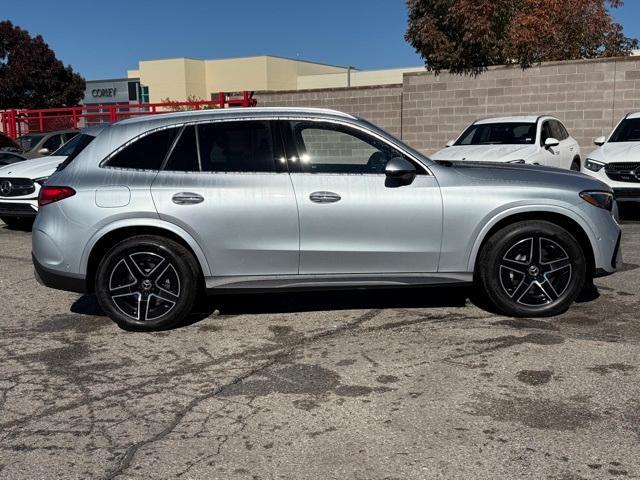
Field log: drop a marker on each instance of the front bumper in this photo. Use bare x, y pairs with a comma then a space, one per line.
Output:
18, 209
57, 280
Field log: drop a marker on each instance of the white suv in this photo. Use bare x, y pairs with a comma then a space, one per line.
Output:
617, 161
540, 140
20, 182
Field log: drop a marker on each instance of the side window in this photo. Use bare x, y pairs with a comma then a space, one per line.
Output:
546, 133
184, 156
329, 148
242, 146
69, 135
53, 143
562, 131
146, 152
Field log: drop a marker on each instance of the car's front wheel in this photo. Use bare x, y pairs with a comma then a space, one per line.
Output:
147, 283
531, 269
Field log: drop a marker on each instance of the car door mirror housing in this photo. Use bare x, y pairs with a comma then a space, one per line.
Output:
600, 141
551, 142
400, 169
44, 151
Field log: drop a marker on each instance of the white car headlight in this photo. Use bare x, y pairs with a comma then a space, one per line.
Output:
593, 165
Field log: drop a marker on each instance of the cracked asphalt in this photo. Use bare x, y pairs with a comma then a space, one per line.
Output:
385, 384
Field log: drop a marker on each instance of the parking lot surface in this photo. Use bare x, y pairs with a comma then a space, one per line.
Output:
387, 384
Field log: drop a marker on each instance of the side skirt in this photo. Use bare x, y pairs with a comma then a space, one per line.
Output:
242, 284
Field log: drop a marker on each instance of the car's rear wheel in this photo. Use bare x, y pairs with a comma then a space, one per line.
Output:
531, 269
147, 283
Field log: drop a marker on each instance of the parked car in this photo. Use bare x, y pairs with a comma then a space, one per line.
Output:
20, 182
539, 140
35, 145
617, 160
155, 210
7, 157
6, 143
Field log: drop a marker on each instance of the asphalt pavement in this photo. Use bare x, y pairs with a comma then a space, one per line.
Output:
381, 384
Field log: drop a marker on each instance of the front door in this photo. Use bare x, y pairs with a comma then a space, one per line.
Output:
222, 184
353, 220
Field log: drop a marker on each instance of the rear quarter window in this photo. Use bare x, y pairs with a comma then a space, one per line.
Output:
146, 152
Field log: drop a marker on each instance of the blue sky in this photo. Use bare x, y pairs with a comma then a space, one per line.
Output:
102, 39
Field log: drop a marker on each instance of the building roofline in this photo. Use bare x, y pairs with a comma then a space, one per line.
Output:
121, 79
245, 57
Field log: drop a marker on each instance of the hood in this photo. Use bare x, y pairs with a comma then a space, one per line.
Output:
531, 175
617, 152
486, 153
36, 168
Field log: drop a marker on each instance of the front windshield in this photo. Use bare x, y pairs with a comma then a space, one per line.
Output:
499, 134
28, 142
627, 131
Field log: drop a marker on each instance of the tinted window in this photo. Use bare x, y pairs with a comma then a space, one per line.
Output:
53, 143
499, 134
627, 131
69, 135
184, 157
328, 148
147, 152
545, 133
236, 147
557, 130
27, 142
72, 149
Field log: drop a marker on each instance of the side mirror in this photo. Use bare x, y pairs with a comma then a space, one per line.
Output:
551, 142
400, 169
44, 151
451, 143
600, 141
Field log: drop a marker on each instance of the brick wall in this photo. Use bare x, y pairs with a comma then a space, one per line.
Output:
381, 105
589, 96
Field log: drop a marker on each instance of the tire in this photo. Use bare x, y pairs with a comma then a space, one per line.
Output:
575, 166
18, 222
517, 284
147, 283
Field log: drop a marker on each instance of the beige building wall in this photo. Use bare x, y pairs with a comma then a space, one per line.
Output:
180, 78
359, 78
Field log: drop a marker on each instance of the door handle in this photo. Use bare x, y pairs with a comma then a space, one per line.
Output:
324, 197
187, 198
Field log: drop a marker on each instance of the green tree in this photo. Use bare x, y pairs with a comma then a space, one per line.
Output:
467, 36
30, 74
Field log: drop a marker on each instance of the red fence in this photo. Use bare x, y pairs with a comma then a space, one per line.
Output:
19, 122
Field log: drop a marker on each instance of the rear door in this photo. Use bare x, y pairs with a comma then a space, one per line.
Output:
222, 184
353, 220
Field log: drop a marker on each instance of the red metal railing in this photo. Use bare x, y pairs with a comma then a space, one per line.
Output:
21, 121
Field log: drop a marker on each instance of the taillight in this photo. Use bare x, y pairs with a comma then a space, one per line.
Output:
54, 194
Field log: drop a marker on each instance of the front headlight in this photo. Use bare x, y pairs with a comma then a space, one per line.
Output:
520, 160
599, 199
593, 165
40, 181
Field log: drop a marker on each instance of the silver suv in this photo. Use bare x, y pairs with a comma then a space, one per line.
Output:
156, 211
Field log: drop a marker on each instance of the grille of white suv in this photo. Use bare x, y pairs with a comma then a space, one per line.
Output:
16, 187
624, 172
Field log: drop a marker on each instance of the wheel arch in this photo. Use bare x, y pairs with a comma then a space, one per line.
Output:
576, 226
106, 238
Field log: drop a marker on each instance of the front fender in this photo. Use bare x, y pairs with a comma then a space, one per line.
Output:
493, 218
148, 222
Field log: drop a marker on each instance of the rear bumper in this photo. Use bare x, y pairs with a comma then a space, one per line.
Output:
57, 280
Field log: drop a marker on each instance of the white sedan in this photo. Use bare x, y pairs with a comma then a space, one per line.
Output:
540, 140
